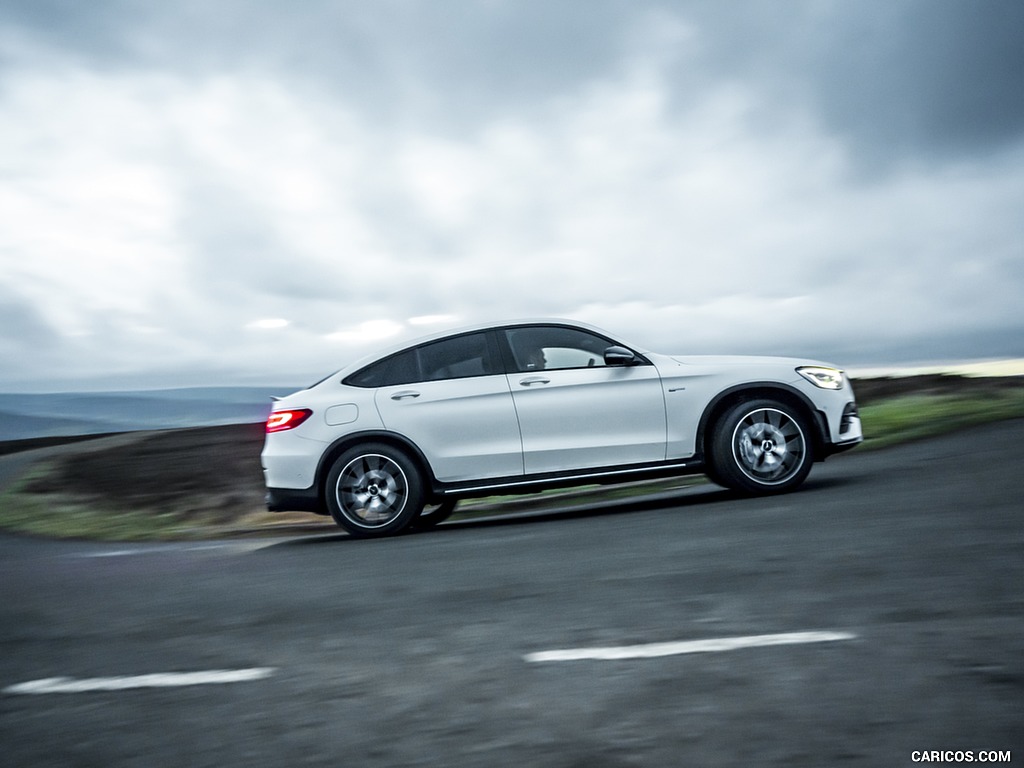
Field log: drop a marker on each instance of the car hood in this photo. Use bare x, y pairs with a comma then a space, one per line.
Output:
715, 361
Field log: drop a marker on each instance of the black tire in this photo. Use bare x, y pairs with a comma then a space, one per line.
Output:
374, 490
434, 514
711, 470
761, 447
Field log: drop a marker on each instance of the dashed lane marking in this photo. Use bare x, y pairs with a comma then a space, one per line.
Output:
241, 547
717, 645
157, 680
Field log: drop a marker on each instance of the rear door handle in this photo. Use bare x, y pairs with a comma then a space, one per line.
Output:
531, 380
405, 394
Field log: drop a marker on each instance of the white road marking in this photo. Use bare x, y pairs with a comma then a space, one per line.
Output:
158, 680
111, 553
654, 650
173, 548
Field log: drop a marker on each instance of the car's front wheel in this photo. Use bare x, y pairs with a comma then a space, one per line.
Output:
374, 490
761, 446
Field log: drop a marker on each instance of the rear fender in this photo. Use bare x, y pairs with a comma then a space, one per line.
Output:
400, 442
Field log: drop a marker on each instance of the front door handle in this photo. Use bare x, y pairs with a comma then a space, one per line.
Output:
531, 380
404, 395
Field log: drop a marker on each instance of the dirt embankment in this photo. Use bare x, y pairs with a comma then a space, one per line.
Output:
211, 473
871, 391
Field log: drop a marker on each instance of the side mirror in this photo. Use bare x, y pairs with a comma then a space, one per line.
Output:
618, 356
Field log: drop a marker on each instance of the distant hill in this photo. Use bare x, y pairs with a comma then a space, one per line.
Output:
19, 426
24, 416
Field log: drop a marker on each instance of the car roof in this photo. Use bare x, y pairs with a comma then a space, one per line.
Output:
380, 354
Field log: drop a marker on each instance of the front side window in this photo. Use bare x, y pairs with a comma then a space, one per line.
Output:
552, 347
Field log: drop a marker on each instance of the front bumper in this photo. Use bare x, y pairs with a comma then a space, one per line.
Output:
850, 433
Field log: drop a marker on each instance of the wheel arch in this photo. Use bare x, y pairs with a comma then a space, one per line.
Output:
770, 390
399, 442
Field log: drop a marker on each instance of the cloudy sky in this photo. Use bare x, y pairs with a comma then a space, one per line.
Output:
259, 192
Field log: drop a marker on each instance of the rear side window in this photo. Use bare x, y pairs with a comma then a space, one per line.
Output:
455, 358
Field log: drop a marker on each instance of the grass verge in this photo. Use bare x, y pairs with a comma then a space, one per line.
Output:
61, 515
912, 417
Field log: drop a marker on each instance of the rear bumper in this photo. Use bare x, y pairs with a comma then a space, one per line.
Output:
294, 500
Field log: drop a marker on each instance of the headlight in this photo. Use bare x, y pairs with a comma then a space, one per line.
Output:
826, 378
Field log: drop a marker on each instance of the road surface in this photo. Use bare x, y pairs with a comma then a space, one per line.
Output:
876, 614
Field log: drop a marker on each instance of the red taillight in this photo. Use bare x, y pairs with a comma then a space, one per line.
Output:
280, 421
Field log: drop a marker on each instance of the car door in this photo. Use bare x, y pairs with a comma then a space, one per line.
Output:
452, 399
575, 411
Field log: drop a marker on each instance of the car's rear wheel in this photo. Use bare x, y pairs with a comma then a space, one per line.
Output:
433, 514
374, 490
761, 447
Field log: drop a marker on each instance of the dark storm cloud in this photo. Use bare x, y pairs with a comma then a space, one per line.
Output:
394, 58
949, 346
95, 31
917, 78
927, 78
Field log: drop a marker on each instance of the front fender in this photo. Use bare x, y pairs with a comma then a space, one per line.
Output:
774, 390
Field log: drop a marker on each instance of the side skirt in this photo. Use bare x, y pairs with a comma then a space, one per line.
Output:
595, 476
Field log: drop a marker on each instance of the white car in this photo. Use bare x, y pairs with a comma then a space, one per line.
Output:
396, 439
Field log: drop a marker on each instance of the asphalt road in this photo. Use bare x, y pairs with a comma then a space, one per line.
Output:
416, 651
